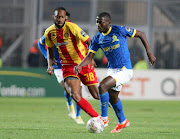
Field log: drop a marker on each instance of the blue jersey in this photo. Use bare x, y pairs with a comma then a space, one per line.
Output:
41, 45
114, 45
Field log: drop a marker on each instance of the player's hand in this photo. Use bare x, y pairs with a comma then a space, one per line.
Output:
152, 58
50, 70
77, 69
92, 64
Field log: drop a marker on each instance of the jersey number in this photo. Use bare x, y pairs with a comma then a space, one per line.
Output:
89, 77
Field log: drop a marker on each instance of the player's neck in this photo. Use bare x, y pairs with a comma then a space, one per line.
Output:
106, 31
59, 27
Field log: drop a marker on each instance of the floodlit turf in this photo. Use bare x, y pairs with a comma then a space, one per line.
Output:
46, 118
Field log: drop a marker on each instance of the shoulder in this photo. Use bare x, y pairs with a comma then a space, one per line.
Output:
52, 27
42, 40
115, 27
71, 25
96, 37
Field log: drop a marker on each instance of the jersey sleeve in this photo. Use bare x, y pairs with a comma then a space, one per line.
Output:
78, 32
94, 45
47, 36
126, 31
41, 45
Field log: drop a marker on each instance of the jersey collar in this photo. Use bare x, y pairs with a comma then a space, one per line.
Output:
107, 32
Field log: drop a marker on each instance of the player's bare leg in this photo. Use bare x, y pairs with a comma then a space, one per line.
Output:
74, 85
94, 91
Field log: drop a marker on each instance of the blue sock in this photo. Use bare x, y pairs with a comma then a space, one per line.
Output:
68, 98
119, 111
104, 98
78, 110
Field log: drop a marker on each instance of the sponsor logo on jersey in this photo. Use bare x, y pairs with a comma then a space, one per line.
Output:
109, 49
83, 33
66, 35
60, 44
114, 38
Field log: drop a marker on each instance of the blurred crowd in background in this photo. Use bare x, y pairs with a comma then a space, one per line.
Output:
163, 31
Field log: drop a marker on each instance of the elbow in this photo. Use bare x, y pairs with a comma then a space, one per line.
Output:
140, 35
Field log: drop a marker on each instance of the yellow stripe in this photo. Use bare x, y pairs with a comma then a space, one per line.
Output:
22, 73
107, 32
92, 51
72, 76
41, 41
134, 33
91, 84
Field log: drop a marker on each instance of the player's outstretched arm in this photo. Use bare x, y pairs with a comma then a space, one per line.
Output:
50, 58
143, 38
42, 48
85, 61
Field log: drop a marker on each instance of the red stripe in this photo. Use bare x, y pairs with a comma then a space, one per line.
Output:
75, 45
85, 45
63, 48
49, 35
87, 40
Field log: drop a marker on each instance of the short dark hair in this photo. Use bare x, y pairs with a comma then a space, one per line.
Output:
59, 8
105, 15
68, 14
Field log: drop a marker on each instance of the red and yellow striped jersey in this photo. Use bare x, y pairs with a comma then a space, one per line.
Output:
69, 42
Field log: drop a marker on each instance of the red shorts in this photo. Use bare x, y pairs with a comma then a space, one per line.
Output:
87, 75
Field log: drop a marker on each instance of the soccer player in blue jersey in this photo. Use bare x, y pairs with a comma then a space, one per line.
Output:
112, 40
58, 74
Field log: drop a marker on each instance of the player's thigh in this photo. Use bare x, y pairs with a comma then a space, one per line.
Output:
121, 76
93, 89
73, 84
106, 84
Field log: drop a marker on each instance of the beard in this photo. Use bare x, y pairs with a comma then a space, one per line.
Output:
57, 25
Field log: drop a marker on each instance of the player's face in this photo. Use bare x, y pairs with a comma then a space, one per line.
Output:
102, 24
59, 18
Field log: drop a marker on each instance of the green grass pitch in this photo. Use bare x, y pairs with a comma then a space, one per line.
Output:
46, 118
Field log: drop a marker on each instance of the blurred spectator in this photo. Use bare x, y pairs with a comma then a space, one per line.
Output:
1, 44
34, 55
168, 52
165, 53
160, 61
136, 52
141, 65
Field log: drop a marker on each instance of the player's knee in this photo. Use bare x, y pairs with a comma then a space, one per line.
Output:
102, 88
96, 96
76, 97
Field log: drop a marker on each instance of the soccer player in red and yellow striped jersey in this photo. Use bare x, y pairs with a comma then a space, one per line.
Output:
68, 38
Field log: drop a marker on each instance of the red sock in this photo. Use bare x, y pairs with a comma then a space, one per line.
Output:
84, 104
